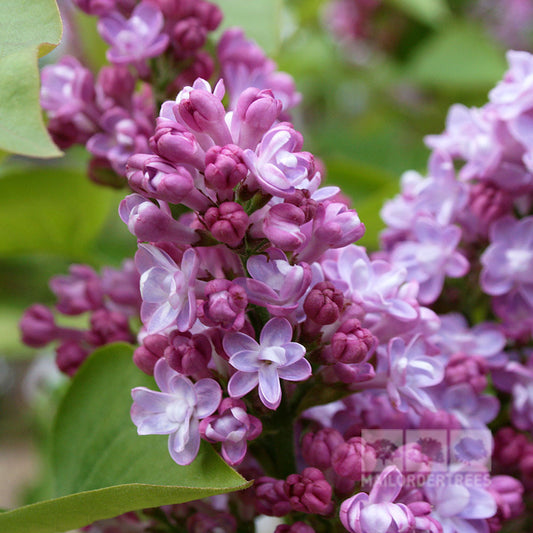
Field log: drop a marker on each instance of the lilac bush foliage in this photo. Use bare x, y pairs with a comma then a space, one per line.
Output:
270, 334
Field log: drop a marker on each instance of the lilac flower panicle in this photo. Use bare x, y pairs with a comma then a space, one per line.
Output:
175, 410
263, 364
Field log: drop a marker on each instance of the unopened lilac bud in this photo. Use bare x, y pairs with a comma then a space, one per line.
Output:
318, 447
410, 458
270, 497
228, 223
69, 357
225, 305
509, 446
472, 369
187, 35
281, 226
189, 354
351, 343
176, 144
210, 14
202, 66
508, 494
488, 203
108, 327
203, 112
224, 169
151, 350
297, 527
221, 522
78, 292
38, 326
256, 111
149, 223
309, 492
324, 303
353, 458
301, 198
115, 82
439, 420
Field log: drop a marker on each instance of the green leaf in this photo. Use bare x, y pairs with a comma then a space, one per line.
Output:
429, 12
30, 29
54, 210
102, 467
461, 57
261, 21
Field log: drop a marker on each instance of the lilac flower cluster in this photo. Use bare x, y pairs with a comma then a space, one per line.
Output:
274, 337
110, 301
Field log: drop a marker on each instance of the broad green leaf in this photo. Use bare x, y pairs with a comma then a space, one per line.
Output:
461, 57
53, 210
261, 21
102, 467
29, 29
429, 12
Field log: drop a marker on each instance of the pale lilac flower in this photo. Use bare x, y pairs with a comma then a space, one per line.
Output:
430, 256
376, 512
377, 286
508, 261
175, 411
277, 165
167, 290
135, 39
274, 282
410, 370
264, 363
233, 427
460, 507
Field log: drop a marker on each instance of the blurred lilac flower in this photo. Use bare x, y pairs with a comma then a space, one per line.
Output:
135, 39
430, 257
264, 363
166, 289
175, 411
411, 369
508, 261
377, 512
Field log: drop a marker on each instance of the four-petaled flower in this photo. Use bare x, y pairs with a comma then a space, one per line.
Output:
264, 363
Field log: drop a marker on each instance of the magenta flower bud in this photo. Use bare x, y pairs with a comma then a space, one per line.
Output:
309, 492
203, 112
509, 446
78, 292
224, 169
270, 497
187, 35
38, 326
151, 350
96, 7
472, 369
225, 305
281, 226
189, 354
221, 522
324, 303
233, 427
173, 142
353, 458
117, 83
210, 14
301, 198
439, 420
149, 223
255, 113
228, 223
488, 203
318, 447
108, 327
351, 343
508, 494
121, 286
202, 66
410, 458
69, 357
297, 527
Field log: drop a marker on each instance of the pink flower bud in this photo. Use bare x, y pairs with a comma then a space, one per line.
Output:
116, 83
309, 492
281, 226
324, 303
108, 327
189, 354
351, 343
472, 369
151, 350
187, 35
38, 326
353, 458
509, 446
318, 448
224, 169
69, 357
270, 497
225, 305
297, 527
228, 223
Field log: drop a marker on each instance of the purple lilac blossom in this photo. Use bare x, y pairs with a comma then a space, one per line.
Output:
263, 364
167, 290
175, 411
